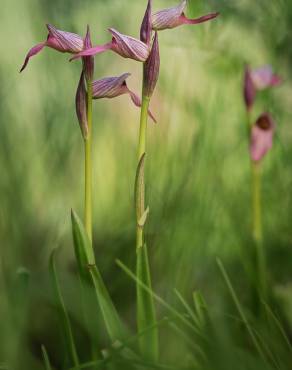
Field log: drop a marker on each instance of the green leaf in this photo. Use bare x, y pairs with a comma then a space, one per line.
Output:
64, 317
46, 358
146, 316
86, 262
240, 310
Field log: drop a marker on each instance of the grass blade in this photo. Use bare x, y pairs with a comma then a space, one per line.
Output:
145, 308
46, 358
240, 310
64, 317
88, 268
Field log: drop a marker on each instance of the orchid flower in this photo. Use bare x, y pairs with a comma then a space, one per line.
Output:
262, 134
126, 46
256, 80
111, 87
175, 16
65, 42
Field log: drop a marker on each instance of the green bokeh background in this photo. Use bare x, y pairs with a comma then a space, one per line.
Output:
198, 178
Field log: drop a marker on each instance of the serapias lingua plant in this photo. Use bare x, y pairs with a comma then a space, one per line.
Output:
260, 136
168, 18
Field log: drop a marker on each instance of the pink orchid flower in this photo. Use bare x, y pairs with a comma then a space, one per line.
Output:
262, 134
256, 80
175, 16
65, 42
125, 46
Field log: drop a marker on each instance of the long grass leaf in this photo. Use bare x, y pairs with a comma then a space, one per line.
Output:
87, 266
46, 358
146, 316
64, 317
240, 310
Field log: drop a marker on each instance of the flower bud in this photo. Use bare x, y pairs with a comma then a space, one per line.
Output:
88, 62
146, 27
151, 68
81, 106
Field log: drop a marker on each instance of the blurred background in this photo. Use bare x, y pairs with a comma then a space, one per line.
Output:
198, 175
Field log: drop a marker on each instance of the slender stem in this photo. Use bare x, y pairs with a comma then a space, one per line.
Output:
257, 228
141, 151
88, 166
257, 234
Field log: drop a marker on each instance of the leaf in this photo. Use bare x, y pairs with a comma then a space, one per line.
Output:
64, 317
140, 191
46, 358
145, 308
86, 262
240, 310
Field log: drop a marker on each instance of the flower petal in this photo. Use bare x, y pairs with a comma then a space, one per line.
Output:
81, 106
264, 77
151, 68
184, 20
33, 51
92, 51
110, 87
168, 18
64, 41
137, 101
129, 47
262, 134
146, 26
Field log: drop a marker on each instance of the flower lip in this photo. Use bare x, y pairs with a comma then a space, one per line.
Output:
174, 17
262, 134
110, 87
265, 122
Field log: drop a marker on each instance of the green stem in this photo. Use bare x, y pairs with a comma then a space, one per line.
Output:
257, 228
88, 166
141, 151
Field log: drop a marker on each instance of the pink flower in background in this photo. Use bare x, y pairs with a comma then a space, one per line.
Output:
256, 80
111, 87
65, 42
262, 134
126, 46
174, 17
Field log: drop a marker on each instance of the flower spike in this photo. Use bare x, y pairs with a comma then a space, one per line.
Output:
262, 134
174, 17
146, 26
81, 106
151, 68
126, 46
111, 87
65, 42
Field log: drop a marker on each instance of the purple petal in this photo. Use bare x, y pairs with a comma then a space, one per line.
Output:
64, 41
33, 51
81, 106
204, 18
264, 77
110, 87
249, 91
137, 101
93, 51
151, 68
146, 27
88, 62
262, 134
129, 47
168, 18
